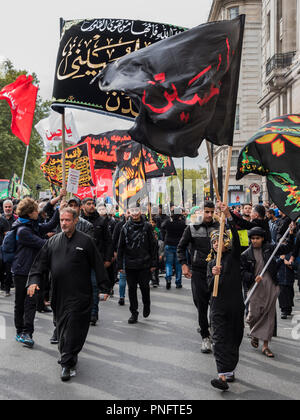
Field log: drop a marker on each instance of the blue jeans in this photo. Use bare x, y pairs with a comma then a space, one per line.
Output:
122, 285
171, 260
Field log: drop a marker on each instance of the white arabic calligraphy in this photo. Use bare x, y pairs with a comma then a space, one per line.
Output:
152, 30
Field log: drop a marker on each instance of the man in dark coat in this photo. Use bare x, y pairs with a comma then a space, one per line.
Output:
70, 257
172, 230
227, 309
103, 242
137, 253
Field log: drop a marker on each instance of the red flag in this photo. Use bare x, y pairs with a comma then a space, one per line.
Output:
103, 178
21, 97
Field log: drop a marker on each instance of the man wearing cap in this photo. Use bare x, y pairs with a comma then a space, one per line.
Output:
103, 241
262, 308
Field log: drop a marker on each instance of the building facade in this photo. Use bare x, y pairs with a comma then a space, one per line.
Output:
248, 114
269, 80
280, 59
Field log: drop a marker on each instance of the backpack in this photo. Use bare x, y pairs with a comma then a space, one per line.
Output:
9, 246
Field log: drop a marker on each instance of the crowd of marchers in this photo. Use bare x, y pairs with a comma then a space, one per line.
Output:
62, 256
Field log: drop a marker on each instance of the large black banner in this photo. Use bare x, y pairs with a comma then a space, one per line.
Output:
104, 147
185, 87
86, 47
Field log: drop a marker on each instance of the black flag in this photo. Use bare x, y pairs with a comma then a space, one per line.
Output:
274, 152
185, 87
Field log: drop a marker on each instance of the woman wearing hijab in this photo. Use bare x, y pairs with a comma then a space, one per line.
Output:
227, 309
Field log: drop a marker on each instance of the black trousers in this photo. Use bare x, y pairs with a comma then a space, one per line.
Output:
201, 297
25, 307
227, 335
286, 299
72, 331
141, 278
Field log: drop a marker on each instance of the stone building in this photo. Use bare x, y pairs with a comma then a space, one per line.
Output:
248, 113
269, 80
280, 59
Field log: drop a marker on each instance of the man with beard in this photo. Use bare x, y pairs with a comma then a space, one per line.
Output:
70, 257
196, 238
104, 245
137, 253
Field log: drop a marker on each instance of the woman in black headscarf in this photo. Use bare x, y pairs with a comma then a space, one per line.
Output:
227, 309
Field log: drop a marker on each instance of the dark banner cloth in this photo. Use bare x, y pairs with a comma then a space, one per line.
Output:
86, 47
77, 157
104, 146
129, 178
185, 87
274, 152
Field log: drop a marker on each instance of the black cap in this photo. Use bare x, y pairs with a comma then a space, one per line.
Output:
76, 199
257, 231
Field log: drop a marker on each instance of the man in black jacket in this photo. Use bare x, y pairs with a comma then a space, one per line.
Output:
136, 250
103, 241
29, 234
172, 230
115, 240
197, 238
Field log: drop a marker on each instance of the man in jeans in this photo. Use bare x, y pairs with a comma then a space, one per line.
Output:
196, 238
172, 231
136, 251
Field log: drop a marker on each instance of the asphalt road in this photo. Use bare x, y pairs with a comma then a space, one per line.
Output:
157, 359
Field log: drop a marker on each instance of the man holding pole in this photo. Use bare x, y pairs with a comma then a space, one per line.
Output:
262, 309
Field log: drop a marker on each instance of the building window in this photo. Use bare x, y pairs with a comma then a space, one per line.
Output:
235, 158
279, 9
237, 118
268, 113
268, 26
233, 12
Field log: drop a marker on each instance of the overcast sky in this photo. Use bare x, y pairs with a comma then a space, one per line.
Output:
29, 37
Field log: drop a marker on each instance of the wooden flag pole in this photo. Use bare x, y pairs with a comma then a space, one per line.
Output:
63, 150
213, 172
222, 222
23, 172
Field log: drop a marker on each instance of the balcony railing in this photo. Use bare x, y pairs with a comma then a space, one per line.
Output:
279, 61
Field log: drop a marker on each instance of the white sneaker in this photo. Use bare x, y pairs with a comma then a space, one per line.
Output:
206, 346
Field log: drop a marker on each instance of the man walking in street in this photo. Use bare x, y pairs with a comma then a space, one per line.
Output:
70, 257
136, 251
196, 237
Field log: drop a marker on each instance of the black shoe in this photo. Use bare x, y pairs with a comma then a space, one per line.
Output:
133, 319
178, 286
219, 384
54, 339
168, 285
122, 301
93, 321
65, 374
283, 316
230, 379
155, 285
146, 311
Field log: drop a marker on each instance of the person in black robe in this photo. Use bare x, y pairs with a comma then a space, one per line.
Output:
70, 256
227, 309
